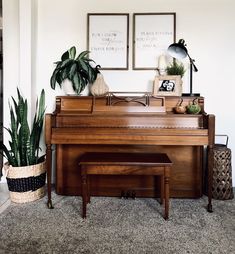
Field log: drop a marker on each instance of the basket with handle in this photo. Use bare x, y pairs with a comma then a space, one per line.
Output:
222, 171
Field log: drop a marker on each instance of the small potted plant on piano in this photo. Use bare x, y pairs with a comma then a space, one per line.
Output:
25, 169
176, 68
73, 73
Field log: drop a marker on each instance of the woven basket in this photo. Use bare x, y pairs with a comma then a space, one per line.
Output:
222, 173
26, 183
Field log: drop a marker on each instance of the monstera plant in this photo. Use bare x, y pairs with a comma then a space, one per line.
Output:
76, 69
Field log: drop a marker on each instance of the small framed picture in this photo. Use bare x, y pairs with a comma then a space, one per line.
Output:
170, 85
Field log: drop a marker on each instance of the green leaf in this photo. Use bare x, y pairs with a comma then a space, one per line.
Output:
72, 52
66, 63
82, 55
72, 71
53, 78
76, 80
65, 56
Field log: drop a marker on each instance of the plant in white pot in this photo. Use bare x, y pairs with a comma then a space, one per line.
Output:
25, 169
73, 73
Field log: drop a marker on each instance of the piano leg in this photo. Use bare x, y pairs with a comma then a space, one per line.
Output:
210, 176
84, 194
48, 167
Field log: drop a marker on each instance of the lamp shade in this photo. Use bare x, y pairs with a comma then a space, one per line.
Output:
178, 50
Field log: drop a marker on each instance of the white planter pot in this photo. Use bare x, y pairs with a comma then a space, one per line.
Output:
67, 87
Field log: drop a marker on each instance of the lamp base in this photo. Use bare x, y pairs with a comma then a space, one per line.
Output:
191, 94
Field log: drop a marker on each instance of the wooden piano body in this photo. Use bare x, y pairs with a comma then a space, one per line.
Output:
140, 123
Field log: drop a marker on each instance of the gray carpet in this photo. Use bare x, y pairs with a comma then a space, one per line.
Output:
118, 226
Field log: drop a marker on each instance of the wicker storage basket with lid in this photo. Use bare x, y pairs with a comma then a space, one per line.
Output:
222, 172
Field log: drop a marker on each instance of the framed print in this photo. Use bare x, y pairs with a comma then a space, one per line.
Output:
152, 35
169, 85
107, 39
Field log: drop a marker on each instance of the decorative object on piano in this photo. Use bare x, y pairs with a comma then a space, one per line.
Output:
194, 107
179, 108
99, 87
67, 87
162, 65
132, 102
179, 51
167, 85
25, 169
76, 69
175, 68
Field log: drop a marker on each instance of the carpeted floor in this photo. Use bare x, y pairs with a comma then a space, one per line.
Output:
118, 226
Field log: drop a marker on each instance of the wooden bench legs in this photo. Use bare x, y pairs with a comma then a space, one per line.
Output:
166, 195
164, 198
114, 164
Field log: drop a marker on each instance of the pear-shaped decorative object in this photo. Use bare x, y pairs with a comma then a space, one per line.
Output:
179, 108
99, 87
194, 107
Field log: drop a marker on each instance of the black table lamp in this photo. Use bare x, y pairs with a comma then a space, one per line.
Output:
179, 51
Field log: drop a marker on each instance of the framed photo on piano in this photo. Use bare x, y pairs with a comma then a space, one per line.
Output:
169, 85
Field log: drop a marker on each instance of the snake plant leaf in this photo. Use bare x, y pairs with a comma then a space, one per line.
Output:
8, 155
36, 129
40, 109
14, 137
24, 137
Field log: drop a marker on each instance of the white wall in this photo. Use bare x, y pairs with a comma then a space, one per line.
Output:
207, 27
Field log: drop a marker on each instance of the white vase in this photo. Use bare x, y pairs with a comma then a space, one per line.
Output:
67, 87
99, 87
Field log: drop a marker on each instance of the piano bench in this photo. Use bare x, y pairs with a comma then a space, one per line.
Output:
102, 163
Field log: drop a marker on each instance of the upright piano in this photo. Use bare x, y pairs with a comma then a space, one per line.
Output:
123, 122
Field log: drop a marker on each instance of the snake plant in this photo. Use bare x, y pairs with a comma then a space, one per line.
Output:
24, 142
77, 69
